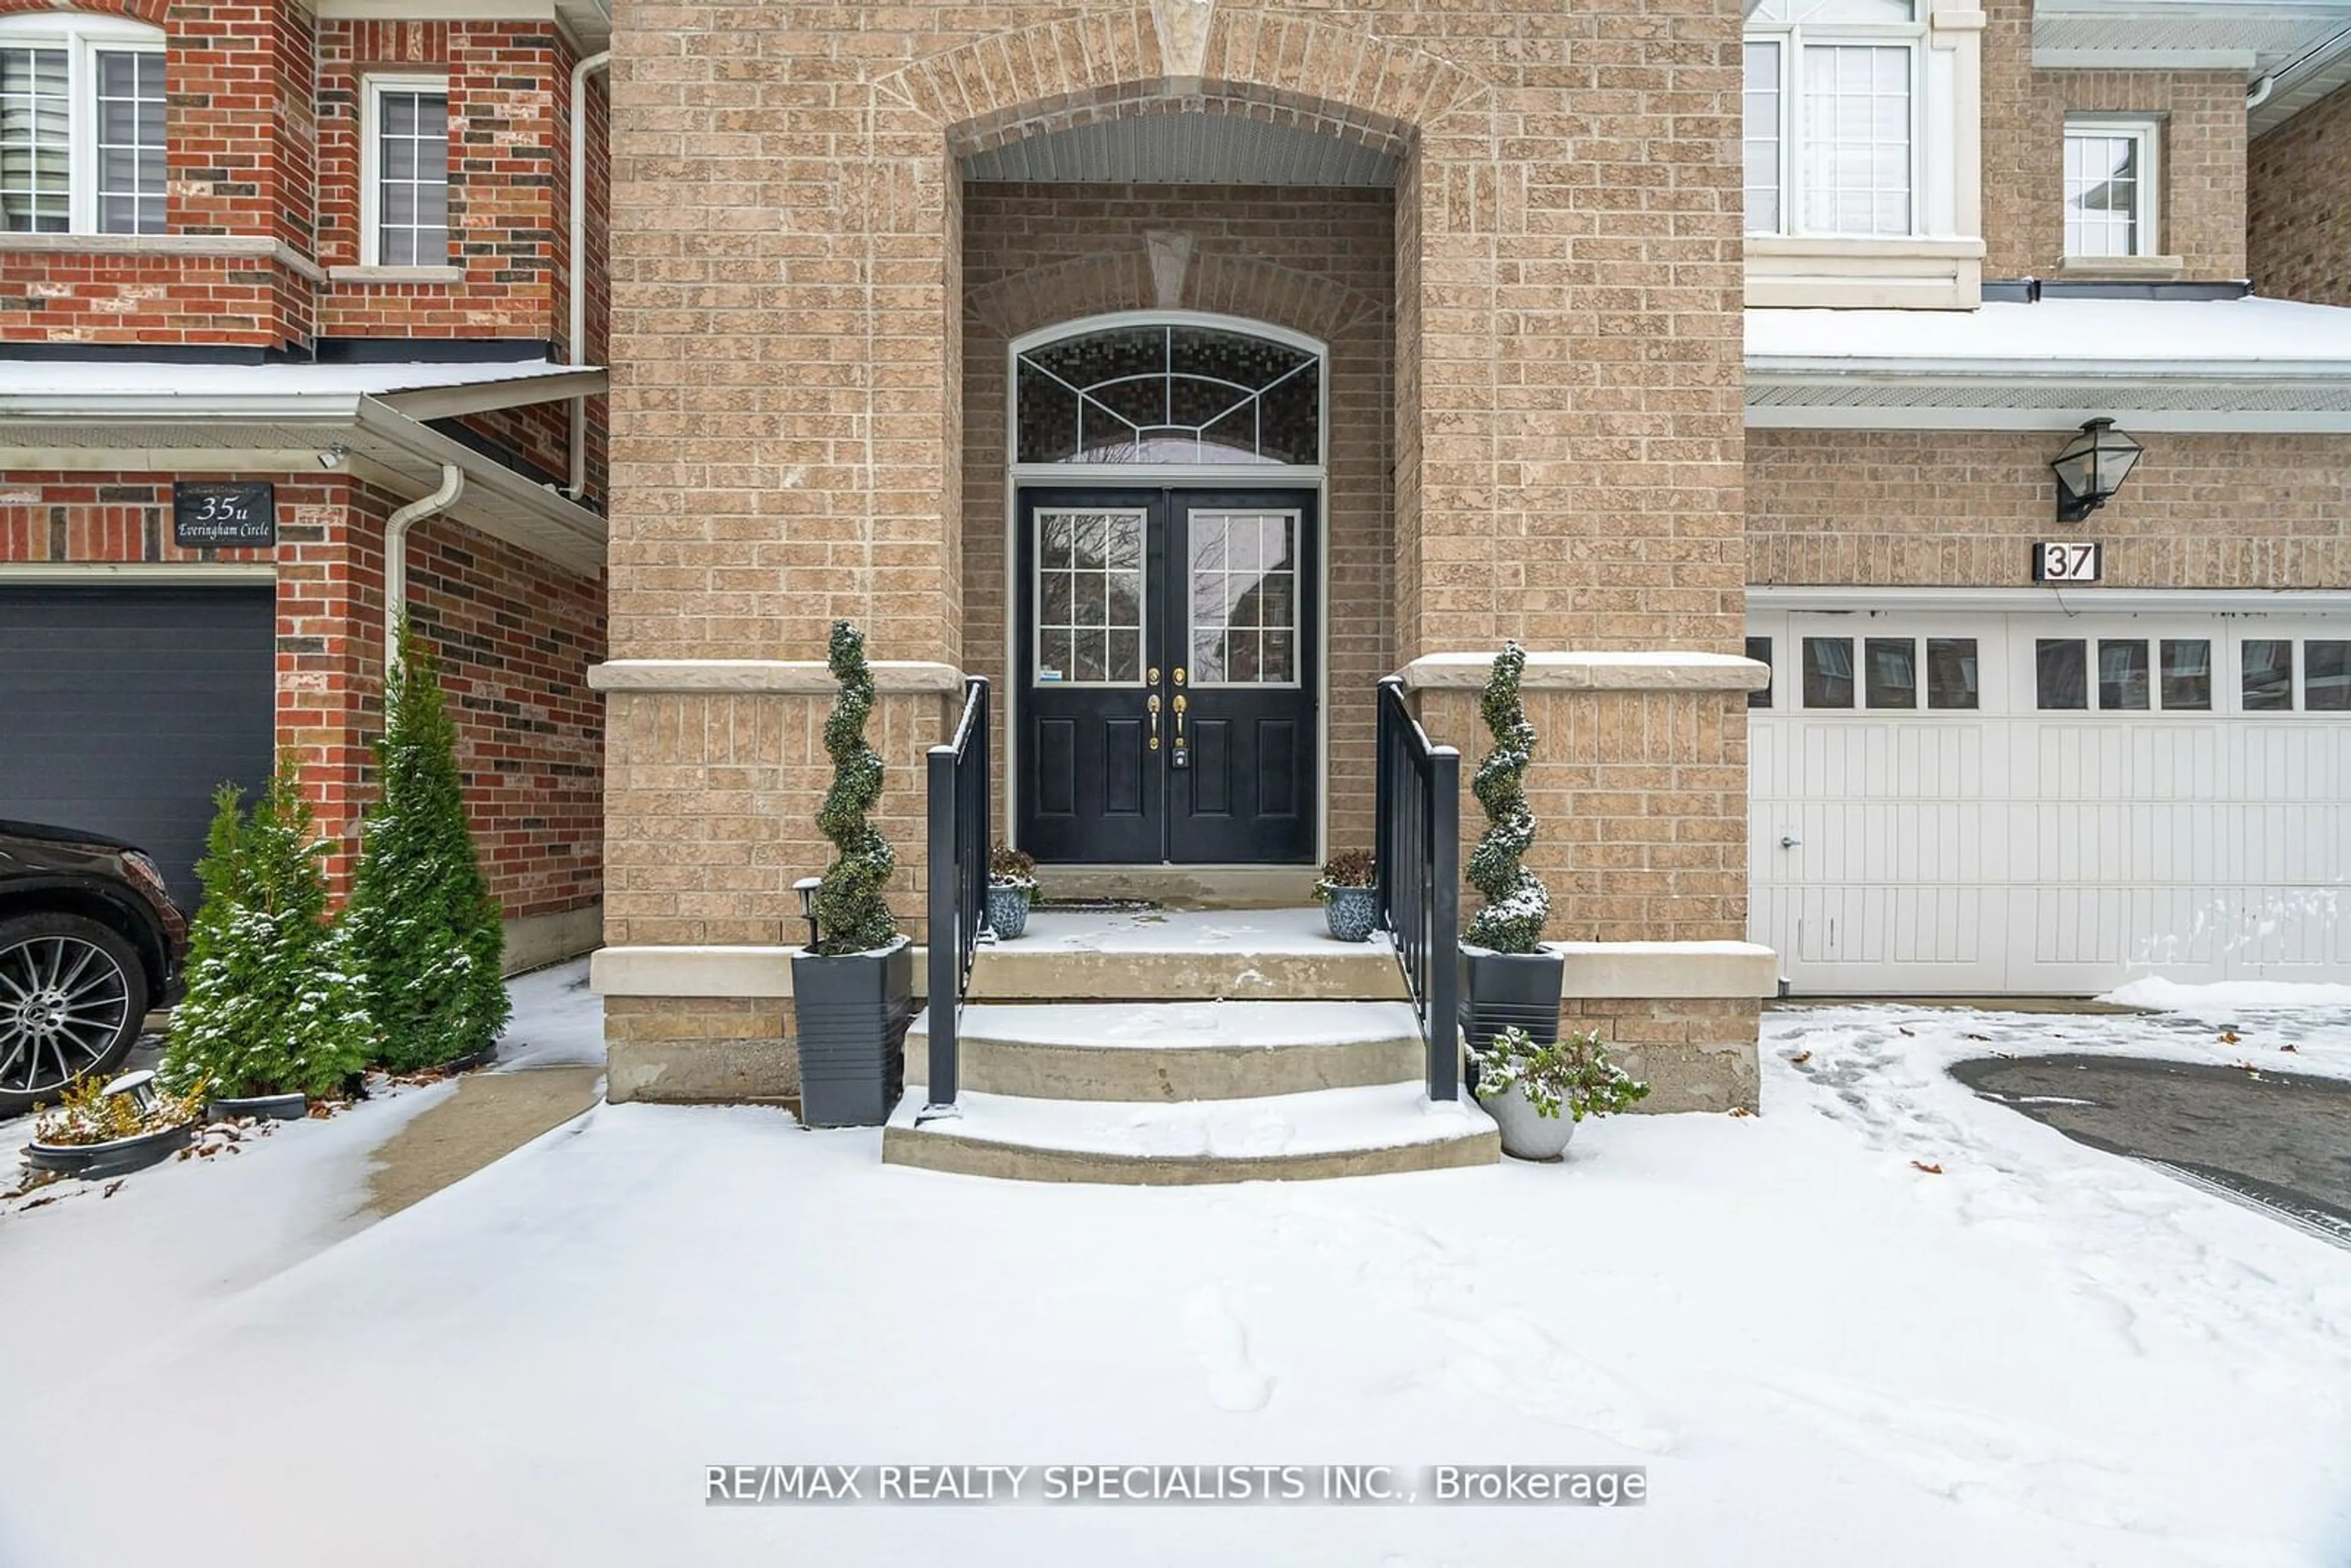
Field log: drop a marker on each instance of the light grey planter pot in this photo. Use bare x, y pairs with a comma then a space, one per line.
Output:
1528, 1134
1351, 912
1007, 911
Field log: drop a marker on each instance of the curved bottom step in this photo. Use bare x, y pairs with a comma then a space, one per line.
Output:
1327, 1133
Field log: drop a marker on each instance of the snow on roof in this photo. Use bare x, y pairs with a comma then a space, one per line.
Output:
140, 378
2191, 336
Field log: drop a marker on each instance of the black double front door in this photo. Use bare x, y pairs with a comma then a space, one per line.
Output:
1166, 663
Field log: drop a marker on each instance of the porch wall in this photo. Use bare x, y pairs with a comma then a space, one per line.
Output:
1315, 260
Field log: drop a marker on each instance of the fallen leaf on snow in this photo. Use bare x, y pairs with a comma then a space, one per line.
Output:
1985, 1038
1923, 1166
1906, 1034
2292, 1048
1802, 1057
2246, 1067
1740, 1111
2229, 1037
113, 1187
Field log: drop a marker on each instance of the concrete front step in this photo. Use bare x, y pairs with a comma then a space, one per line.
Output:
1273, 955
1167, 1051
1373, 1130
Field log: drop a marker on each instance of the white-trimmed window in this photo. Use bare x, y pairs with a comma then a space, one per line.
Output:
2110, 186
81, 125
1831, 107
404, 172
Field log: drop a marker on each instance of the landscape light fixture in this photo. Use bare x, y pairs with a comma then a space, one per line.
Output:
806, 887
2091, 469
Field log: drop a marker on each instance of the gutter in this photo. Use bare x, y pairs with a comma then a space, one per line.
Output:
395, 556
578, 445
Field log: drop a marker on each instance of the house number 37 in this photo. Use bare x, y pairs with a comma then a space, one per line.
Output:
2065, 563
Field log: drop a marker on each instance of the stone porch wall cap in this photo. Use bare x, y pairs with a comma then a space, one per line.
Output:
793, 676
1670, 669
1668, 969
744, 973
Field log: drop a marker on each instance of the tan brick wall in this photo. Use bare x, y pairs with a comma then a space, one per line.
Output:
2298, 205
1962, 507
699, 1049
1315, 261
788, 439
1640, 804
710, 803
1695, 1054
2203, 156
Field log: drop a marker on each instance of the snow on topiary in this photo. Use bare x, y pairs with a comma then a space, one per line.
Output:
271, 1006
1517, 903
852, 913
423, 929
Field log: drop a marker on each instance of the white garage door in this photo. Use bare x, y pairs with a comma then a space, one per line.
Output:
2037, 802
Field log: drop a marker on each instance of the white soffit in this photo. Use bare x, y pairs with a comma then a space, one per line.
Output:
2238, 364
1184, 148
2305, 44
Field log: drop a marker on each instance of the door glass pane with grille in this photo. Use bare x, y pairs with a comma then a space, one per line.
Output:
1244, 598
1090, 595
35, 156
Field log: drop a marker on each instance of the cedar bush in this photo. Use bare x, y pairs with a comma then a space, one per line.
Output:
1517, 903
852, 913
422, 928
271, 1006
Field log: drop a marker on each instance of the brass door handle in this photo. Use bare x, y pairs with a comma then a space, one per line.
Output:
1179, 718
1154, 707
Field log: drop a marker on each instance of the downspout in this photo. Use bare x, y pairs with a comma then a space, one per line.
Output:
2259, 94
395, 555
592, 66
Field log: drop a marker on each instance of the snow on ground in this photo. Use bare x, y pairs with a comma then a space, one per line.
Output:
558, 1021
1186, 1025
1273, 932
2222, 997
1824, 1353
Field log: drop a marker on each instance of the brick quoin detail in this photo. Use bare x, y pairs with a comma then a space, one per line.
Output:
515, 636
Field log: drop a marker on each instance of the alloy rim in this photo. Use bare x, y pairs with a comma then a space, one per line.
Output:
63, 1002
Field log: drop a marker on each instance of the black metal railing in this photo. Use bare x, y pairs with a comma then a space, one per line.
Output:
1418, 844
959, 852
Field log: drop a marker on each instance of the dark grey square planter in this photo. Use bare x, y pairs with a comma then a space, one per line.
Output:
1500, 989
852, 1015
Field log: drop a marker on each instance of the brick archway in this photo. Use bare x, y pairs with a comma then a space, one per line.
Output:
1185, 55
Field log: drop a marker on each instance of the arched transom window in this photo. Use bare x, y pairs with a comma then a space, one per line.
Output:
1168, 393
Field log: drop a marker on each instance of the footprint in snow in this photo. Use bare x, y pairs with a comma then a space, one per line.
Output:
1216, 1338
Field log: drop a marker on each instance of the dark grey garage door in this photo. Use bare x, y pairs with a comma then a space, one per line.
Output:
122, 708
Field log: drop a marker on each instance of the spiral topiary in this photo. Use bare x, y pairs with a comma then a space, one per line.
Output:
852, 913
1517, 903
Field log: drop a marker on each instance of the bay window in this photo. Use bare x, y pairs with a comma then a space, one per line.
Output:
1832, 102
81, 125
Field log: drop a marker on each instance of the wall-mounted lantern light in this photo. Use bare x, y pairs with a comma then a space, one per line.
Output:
2091, 469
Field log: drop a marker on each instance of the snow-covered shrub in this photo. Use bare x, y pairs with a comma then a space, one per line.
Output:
852, 913
1517, 903
423, 930
1575, 1073
271, 1006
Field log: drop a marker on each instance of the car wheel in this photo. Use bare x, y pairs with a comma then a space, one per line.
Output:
72, 997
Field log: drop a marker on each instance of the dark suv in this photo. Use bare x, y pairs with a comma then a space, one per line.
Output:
89, 939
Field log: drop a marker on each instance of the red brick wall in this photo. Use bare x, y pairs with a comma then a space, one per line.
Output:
509, 91
515, 636
263, 133
2298, 205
